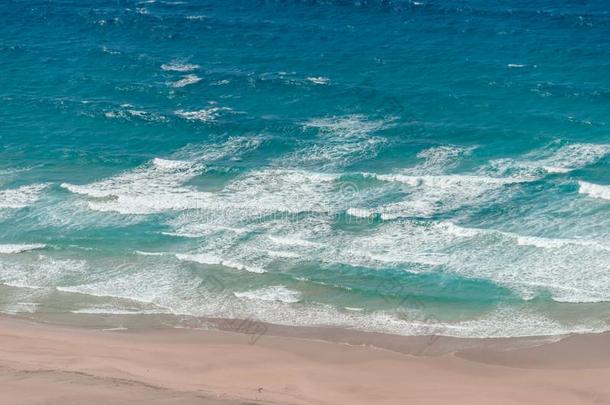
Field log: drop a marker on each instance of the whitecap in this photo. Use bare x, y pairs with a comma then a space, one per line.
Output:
205, 258
446, 181
142, 253
576, 156
154, 187
21, 197
160, 185
171, 291
439, 159
272, 293
205, 115
553, 160
169, 164
186, 80
283, 254
179, 67
41, 271
17, 248
572, 270
341, 141
319, 80
459, 231
594, 190
286, 240
432, 194
359, 212
351, 126
130, 113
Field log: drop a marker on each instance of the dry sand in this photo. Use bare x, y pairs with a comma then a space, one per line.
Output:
62, 365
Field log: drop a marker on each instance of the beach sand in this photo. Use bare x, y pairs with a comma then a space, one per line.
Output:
50, 364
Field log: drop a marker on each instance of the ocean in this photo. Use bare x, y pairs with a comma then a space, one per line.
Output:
409, 167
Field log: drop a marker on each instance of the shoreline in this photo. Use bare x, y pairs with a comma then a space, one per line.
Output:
58, 364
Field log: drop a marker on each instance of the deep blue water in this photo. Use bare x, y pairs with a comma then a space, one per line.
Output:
410, 167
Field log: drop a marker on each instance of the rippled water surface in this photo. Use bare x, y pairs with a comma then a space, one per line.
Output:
408, 167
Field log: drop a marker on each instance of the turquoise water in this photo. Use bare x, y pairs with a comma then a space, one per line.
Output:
408, 167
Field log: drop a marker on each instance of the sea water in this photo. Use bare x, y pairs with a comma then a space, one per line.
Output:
399, 166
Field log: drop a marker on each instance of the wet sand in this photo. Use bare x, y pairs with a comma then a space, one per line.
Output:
41, 363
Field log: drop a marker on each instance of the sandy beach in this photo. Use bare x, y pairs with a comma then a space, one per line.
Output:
320, 202
50, 364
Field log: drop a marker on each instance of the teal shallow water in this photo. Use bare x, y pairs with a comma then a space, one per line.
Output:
408, 167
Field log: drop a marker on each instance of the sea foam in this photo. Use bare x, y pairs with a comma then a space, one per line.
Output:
594, 190
21, 197
271, 293
186, 80
179, 67
16, 248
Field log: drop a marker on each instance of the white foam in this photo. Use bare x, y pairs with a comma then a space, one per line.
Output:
271, 293
521, 240
154, 187
576, 156
333, 153
284, 240
446, 181
319, 80
200, 258
359, 212
168, 164
457, 230
20, 307
346, 127
510, 323
129, 113
40, 271
594, 190
267, 191
201, 224
572, 270
515, 65
179, 67
392, 244
159, 185
524, 240
118, 311
268, 304
142, 253
105, 49
439, 159
206, 115
205, 258
21, 197
542, 242
431, 194
554, 160
341, 141
16, 248
283, 254
171, 290
186, 80
551, 169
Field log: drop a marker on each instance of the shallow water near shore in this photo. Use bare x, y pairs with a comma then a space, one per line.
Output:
415, 168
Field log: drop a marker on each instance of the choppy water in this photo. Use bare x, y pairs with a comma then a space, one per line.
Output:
410, 167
